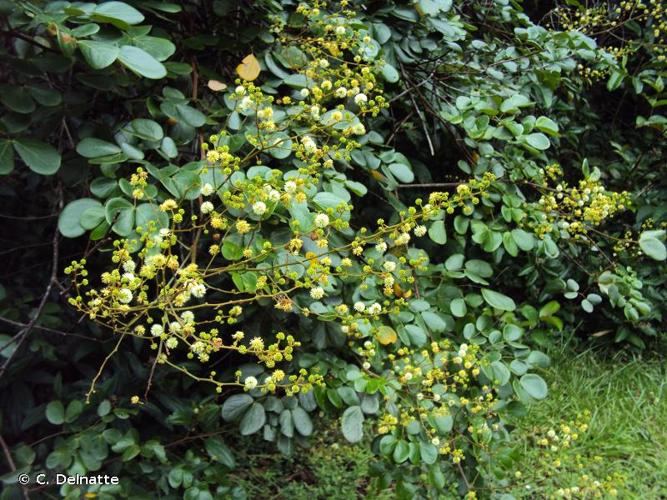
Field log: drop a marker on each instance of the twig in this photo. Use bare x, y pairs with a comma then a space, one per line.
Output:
150, 376
431, 185
12, 465
25, 333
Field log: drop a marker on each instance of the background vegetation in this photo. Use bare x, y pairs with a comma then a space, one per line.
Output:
455, 210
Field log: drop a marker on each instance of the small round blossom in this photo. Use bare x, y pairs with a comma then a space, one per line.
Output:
157, 330
124, 296
402, 239
206, 207
359, 306
317, 293
375, 308
188, 316
360, 99
340, 92
171, 342
207, 189
389, 266
198, 291
290, 187
309, 144
381, 247
304, 92
340, 30
321, 220
259, 208
250, 383
420, 231
129, 266
240, 90
274, 195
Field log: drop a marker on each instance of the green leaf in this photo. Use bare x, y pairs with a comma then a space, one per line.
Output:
615, 80
141, 62
549, 309
220, 452
523, 239
147, 130
6, 157
534, 385
498, 300
352, 424
41, 157
69, 222
434, 321
190, 115
652, 246
401, 452
17, 99
454, 262
547, 125
160, 48
99, 55
458, 307
537, 140
390, 74
514, 103
402, 172
94, 148
253, 420
234, 406
428, 452
437, 232
117, 11
55, 413
302, 421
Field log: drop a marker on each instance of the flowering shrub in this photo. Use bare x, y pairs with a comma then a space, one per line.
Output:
376, 216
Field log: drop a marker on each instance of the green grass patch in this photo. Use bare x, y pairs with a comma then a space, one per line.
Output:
617, 411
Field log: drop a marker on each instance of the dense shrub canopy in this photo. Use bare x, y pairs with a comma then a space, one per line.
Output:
229, 219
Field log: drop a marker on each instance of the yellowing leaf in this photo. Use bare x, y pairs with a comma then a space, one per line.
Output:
216, 86
249, 68
386, 335
377, 175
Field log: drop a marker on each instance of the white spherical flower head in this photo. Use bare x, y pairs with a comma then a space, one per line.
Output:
290, 187
321, 220
157, 330
171, 343
250, 383
124, 296
175, 327
274, 196
198, 291
359, 129
206, 207
375, 308
360, 99
304, 92
188, 316
389, 266
324, 63
164, 232
246, 103
340, 92
420, 231
259, 208
317, 292
309, 144
381, 247
240, 90
340, 30
359, 306
129, 266
128, 276
207, 189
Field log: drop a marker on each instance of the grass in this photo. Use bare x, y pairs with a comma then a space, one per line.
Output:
622, 452
624, 447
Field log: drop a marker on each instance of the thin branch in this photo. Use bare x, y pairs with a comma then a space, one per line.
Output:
25, 333
12, 465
